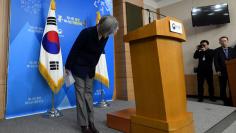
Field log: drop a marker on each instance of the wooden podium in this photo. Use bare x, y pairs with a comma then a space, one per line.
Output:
231, 69
159, 84
158, 75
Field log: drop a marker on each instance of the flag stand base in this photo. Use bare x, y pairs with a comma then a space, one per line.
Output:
102, 104
53, 113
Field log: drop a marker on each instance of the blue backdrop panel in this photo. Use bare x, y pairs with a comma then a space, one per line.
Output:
27, 92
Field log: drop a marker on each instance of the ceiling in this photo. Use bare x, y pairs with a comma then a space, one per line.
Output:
160, 3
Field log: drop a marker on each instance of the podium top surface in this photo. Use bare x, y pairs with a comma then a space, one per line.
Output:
167, 27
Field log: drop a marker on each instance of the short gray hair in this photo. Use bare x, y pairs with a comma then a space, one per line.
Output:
107, 25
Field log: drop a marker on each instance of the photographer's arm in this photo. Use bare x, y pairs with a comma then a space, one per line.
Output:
196, 54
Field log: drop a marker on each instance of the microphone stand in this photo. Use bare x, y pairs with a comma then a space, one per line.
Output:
149, 16
149, 13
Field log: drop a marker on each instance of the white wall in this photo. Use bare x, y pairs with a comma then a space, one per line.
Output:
182, 11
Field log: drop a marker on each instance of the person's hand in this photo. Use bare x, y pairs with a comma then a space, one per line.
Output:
218, 73
203, 49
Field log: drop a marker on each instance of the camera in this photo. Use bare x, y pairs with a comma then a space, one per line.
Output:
200, 46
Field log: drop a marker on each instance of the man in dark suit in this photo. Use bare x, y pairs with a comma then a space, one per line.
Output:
204, 71
82, 60
222, 54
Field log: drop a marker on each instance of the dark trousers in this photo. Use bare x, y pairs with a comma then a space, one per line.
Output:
223, 80
201, 77
84, 100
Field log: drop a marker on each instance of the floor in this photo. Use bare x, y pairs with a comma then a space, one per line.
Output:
208, 118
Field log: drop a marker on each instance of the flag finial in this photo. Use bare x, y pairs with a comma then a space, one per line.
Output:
98, 17
53, 5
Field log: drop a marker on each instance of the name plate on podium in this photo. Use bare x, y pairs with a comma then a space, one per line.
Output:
176, 27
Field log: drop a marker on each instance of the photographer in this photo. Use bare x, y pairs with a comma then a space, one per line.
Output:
204, 70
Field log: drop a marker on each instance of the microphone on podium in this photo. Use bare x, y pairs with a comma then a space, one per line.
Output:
149, 13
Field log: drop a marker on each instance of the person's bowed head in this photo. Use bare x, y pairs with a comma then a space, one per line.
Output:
107, 25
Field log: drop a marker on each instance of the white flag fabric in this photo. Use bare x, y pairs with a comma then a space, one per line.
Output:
101, 68
101, 71
50, 61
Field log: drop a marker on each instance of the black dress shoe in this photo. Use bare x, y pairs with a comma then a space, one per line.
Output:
213, 99
200, 100
93, 128
85, 129
226, 104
